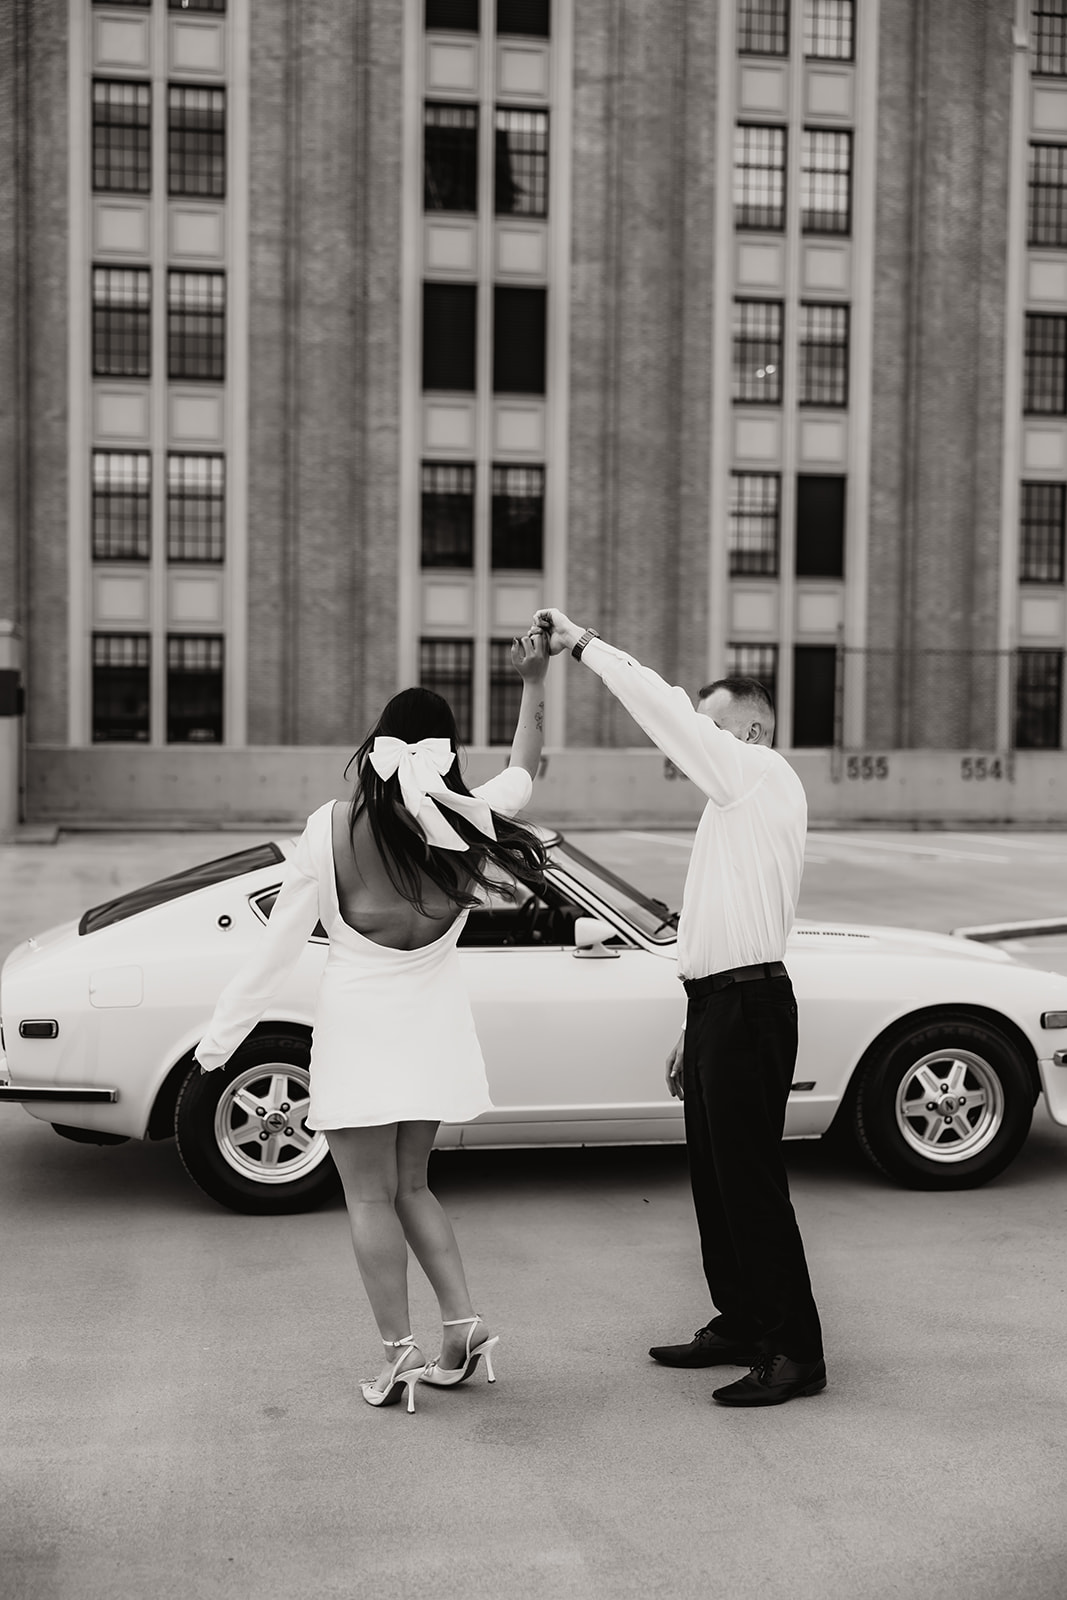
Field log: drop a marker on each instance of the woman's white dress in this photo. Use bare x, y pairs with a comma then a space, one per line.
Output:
394, 1037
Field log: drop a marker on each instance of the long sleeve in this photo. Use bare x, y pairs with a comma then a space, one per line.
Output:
250, 990
508, 792
722, 766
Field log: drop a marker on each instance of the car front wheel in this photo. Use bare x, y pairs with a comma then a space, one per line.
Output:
946, 1105
241, 1130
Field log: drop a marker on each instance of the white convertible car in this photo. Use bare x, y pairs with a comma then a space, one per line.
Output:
930, 1049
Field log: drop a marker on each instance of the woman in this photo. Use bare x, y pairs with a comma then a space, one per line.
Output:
392, 877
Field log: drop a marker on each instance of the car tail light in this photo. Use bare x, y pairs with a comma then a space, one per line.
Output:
43, 1028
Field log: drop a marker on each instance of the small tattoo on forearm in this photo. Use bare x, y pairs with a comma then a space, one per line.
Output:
539, 718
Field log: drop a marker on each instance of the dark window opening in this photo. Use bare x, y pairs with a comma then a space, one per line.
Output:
520, 176
519, 341
814, 695
449, 312
528, 17
450, 157
194, 688
820, 526
120, 688
447, 514
518, 518
454, 16
1038, 699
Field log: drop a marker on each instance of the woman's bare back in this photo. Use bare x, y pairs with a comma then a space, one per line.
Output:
368, 901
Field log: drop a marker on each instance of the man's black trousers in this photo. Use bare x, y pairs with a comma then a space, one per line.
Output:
737, 1069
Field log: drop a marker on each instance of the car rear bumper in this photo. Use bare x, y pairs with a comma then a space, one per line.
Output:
56, 1094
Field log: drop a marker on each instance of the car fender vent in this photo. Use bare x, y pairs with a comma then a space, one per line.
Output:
39, 1028
828, 933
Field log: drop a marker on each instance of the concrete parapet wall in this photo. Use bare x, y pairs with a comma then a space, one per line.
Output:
113, 785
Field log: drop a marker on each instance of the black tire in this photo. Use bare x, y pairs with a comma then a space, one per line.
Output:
290, 1169
908, 1088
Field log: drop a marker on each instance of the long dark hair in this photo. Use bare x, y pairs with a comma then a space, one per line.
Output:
517, 851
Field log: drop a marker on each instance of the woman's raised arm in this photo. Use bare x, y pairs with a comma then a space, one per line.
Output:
529, 657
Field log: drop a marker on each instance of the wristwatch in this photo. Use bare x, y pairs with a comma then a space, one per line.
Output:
590, 633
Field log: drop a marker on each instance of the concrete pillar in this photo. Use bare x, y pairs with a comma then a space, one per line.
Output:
11, 729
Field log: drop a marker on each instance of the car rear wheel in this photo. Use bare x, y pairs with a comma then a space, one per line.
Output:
241, 1130
945, 1105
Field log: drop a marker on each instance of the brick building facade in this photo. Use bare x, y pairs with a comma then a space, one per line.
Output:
334, 338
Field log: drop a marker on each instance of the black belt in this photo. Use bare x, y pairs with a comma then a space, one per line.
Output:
696, 988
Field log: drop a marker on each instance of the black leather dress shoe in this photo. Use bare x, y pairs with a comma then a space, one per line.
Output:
772, 1381
706, 1349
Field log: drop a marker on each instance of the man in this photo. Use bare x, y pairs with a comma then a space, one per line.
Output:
733, 1065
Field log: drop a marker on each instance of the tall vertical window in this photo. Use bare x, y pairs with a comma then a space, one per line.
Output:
1041, 532
449, 157
826, 181
122, 317
763, 28
198, 5
759, 177
1045, 365
1038, 699
759, 661
823, 355
196, 507
449, 312
120, 688
519, 341
194, 688
518, 518
196, 141
829, 29
1049, 38
447, 514
505, 692
529, 17
520, 175
457, 16
122, 136
447, 666
814, 695
758, 352
820, 526
196, 324
1047, 195
754, 523
122, 505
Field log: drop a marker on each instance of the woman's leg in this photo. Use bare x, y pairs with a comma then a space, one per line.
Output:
430, 1235
366, 1159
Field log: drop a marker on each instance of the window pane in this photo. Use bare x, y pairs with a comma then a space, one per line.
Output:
121, 322
1045, 365
1041, 530
198, 5
1049, 38
505, 692
196, 324
520, 177
122, 136
759, 177
120, 688
519, 341
1047, 195
449, 311
461, 16
826, 182
195, 508
518, 518
828, 29
758, 351
823, 377
194, 689
196, 141
447, 514
122, 505
450, 157
447, 666
754, 514
820, 526
814, 695
763, 27
759, 661
1038, 699
530, 17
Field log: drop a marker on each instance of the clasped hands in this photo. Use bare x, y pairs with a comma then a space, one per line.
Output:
550, 634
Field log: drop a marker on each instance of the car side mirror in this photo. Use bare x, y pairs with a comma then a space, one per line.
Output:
589, 936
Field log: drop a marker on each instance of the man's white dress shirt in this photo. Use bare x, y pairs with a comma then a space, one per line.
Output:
748, 855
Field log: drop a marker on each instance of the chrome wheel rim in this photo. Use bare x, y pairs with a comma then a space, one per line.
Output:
260, 1125
949, 1106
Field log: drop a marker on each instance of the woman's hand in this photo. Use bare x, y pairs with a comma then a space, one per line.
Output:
529, 657
674, 1069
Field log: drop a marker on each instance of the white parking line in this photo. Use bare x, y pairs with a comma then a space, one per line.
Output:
662, 838
865, 846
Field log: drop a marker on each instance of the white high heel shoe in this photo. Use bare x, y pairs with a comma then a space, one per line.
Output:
447, 1377
397, 1380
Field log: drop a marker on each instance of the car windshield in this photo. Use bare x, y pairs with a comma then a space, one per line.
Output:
652, 917
178, 884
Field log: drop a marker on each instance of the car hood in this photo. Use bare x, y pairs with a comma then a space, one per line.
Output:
870, 939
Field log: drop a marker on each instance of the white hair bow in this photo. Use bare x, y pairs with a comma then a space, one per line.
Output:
420, 768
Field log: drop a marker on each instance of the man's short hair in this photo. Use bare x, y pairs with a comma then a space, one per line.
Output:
742, 689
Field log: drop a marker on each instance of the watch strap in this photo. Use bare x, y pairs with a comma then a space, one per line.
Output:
590, 633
